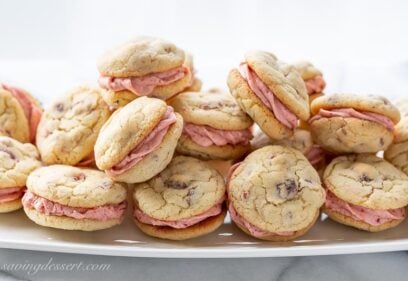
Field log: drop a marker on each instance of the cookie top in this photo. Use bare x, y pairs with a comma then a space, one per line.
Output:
368, 181
186, 188
70, 125
215, 109
75, 187
17, 161
300, 140
140, 56
283, 79
401, 129
371, 103
12, 117
276, 189
307, 70
127, 127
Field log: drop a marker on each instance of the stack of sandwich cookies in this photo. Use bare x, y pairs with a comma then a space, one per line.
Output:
365, 192
72, 198
274, 194
214, 126
346, 123
17, 161
300, 140
271, 92
184, 201
144, 66
70, 125
138, 141
20, 113
313, 79
397, 152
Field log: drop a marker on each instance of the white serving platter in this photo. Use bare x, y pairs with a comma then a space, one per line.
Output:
326, 238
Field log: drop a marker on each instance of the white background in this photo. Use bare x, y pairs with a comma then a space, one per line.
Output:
48, 46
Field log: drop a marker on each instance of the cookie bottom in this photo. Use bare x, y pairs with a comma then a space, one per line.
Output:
187, 146
255, 108
119, 99
346, 220
67, 223
11, 206
279, 238
165, 232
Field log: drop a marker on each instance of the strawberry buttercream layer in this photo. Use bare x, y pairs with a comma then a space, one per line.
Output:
206, 136
47, 207
146, 146
87, 161
143, 85
182, 223
369, 216
31, 110
315, 85
352, 113
268, 98
11, 193
315, 154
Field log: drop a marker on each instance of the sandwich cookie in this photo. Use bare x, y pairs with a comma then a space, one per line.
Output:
138, 141
20, 113
397, 152
184, 201
17, 161
300, 140
144, 66
214, 126
365, 192
271, 92
274, 194
346, 123
313, 79
70, 125
73, 198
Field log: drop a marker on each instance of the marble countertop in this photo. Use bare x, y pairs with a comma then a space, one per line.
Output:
344, 267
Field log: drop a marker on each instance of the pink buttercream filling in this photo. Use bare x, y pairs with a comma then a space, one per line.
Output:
143, 85
150, 143
315, 84
11, 193
206, 135
315, 154
370, 216
281, 112
45, 206
254, 230
31, 110
182, 223
350, 112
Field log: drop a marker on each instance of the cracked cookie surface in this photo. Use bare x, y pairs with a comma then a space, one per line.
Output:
276, 189
75, 187
215, 109
397, 152
13, 122
368, 181
307, 70
69, 127
17, 161
186, 188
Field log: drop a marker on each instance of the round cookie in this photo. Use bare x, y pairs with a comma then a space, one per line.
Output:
312, 77
184, 201
214, 125
73, 198
397, 152
366, 192
70, 125
129, 131
275, 194
144, 66
283, 83
346, 123
17, 161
